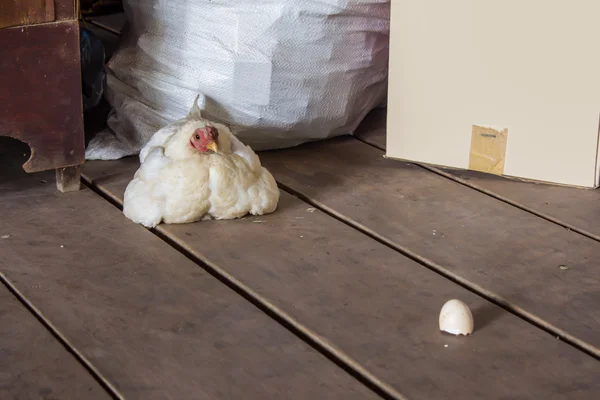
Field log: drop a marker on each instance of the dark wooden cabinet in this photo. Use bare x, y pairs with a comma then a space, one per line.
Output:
40, 88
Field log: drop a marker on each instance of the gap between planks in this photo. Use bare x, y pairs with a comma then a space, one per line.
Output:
79, 357
338, 357
455, 278
506, 200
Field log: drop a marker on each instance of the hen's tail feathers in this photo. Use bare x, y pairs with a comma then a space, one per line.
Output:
239, 148
195, 110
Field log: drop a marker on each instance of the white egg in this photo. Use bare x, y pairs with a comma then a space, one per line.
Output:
456, 318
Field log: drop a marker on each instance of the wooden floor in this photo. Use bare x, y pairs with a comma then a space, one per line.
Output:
336, 295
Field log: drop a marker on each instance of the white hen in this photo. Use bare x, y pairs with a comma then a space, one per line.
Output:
194, 169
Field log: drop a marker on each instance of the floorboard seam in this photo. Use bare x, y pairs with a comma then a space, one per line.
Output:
79, 357
473, 288
496, 196
334, 355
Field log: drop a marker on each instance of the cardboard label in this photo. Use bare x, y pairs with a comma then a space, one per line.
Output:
488, 149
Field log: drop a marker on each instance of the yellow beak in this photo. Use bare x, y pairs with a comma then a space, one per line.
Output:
213, 146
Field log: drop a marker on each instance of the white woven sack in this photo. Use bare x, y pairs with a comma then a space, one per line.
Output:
278, 72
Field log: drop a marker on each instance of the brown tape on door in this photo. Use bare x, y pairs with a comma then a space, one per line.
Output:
488, 150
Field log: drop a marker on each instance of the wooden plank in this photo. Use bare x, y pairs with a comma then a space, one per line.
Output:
43, 60
153, 323
501, 251
574, 208
33, 364
571, 207
25, 12
374, 308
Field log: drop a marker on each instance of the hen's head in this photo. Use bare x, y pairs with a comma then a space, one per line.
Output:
197, 137
205, 139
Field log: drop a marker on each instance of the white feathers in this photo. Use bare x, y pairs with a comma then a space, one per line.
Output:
178, 184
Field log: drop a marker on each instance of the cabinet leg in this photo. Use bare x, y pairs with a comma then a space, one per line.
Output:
68, 179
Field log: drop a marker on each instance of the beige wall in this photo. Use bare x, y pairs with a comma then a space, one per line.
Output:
530, 66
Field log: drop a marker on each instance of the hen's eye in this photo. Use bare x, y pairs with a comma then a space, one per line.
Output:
197, 137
